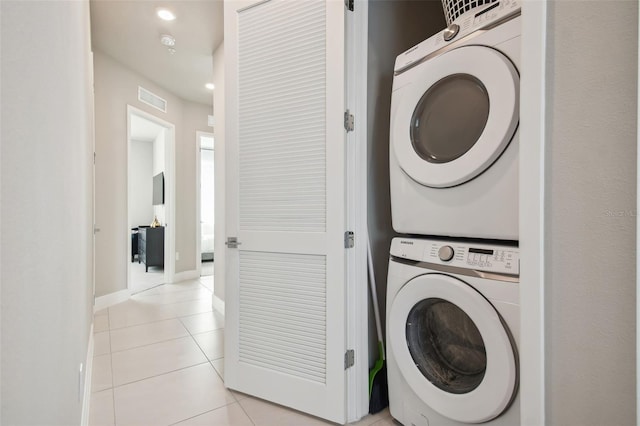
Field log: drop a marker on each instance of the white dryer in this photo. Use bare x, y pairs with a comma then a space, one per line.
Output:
453, 321
454, 129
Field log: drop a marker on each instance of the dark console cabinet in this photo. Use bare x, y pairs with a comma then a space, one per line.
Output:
151, 246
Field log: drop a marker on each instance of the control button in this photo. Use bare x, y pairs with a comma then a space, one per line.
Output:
445, 253
450, 32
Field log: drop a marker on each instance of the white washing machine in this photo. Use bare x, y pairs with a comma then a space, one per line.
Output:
453, 321
454, 129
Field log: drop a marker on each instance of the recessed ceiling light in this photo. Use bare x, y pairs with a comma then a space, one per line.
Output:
209, 86
167, 40
165, 14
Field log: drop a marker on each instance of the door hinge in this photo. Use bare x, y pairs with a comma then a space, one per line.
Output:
232, 242
349, 358
348, 121
94, 158
349, 239
349, 4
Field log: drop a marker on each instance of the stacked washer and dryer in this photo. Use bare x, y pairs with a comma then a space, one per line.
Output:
453, 287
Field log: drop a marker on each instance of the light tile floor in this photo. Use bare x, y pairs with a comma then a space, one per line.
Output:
142, 280
158, 360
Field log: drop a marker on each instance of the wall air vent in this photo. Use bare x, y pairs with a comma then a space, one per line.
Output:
151, 99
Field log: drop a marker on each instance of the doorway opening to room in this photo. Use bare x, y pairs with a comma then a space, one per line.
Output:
150, 204
206, 206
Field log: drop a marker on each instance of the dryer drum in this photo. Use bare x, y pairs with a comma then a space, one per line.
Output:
446, 346
449, 118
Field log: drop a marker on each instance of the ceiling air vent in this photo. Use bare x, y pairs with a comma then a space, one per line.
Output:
151, 99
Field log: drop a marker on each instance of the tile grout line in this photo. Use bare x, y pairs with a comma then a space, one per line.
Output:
245, 412
164, 319
113, 391
203, 352
150, 344
208, 361
237, 401
161, 374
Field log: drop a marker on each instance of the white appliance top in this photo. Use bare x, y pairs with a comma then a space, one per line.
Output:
484, 18
500, 259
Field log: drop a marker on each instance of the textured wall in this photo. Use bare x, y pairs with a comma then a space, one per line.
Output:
590, 218
115, 87
46, 226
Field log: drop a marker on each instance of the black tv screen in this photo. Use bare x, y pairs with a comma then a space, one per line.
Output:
158, 189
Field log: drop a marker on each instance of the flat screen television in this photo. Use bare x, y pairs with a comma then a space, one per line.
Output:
158, 189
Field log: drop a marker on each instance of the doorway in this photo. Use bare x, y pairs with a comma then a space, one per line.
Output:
205, 215
150, 200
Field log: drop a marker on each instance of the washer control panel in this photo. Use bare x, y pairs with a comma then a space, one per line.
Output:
503, 259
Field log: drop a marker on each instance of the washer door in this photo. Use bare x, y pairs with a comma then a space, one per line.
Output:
457, 116
452, 348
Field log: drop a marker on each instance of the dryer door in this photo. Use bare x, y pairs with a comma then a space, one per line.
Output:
456, 117
453, 348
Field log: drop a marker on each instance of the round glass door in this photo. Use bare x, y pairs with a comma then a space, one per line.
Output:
443, 128
456, 116
446, 346
452, 348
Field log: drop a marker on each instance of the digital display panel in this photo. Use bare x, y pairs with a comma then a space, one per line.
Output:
487, 9
480, 251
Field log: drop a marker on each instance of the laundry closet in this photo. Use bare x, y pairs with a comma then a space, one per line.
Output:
453, 293
294, 227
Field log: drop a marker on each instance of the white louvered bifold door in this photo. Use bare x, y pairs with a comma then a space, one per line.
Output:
285, 290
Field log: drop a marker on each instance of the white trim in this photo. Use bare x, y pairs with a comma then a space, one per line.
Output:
111, 299
532, 205
170, 193
217, 304
194, 274
199, 136
638, 240
357, 377
86, 397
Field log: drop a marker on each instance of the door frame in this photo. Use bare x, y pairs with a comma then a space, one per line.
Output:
357, 44
199, 135
532, 208
169, 191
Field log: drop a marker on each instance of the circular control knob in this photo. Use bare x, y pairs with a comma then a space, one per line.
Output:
450, 32
445, 253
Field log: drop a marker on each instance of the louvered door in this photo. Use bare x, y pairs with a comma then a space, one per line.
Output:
285, 294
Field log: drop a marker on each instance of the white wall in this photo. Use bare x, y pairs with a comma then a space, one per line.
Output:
405, 24
115, 87
219, 140
590, 218
141, 208
159, 158
46, 223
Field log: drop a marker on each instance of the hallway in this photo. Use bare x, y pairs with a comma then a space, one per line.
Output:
158, 360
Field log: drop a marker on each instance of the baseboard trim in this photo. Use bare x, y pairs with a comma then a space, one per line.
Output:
186, 275
218, 304
86, 397
111, 299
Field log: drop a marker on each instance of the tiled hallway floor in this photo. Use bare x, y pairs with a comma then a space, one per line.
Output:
158, 360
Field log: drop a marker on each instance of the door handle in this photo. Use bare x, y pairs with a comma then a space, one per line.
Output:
232, 242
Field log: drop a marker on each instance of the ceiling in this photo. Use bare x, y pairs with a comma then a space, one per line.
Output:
143, 130
129, 31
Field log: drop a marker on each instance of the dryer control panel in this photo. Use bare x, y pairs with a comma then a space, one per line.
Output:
476, 20
502, 259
